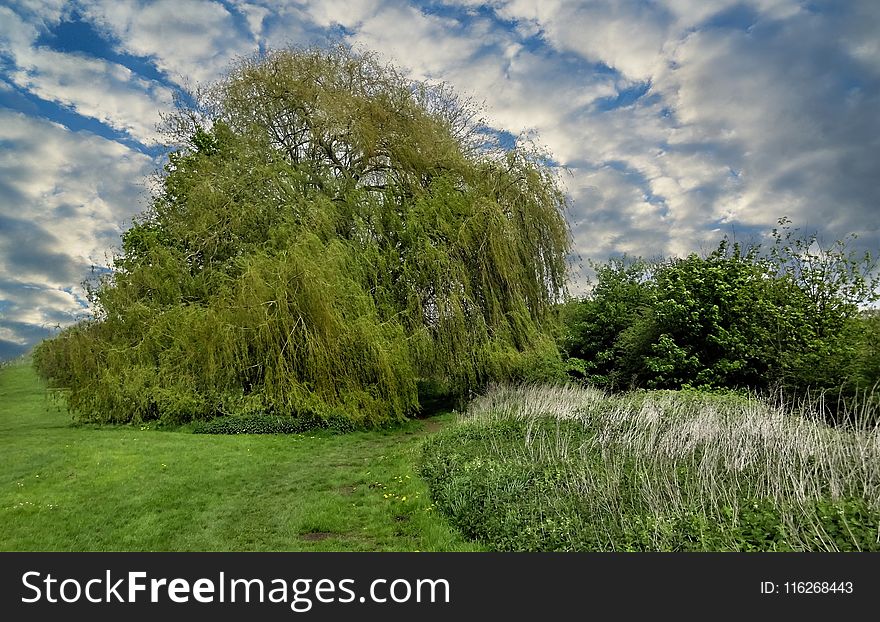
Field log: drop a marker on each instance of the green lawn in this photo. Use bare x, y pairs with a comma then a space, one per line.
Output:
67, 487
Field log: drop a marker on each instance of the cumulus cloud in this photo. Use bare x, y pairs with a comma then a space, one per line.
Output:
95, 88
35, 305
525, 90
45, 12
750, 111
92, 87
192, 41
627, 35
64, 198
428, 46
789, 113
346, 13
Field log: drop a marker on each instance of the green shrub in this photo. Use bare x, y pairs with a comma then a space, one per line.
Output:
268, 424
740, 317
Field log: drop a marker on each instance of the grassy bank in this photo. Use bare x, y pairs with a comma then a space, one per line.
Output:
574, 469
66, 487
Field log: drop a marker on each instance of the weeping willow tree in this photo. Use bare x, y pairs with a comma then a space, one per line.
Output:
326, 234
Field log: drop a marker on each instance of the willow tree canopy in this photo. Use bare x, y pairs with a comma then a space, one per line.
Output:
327, 234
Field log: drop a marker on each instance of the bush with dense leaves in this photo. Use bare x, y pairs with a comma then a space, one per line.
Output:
736, 318
267, 424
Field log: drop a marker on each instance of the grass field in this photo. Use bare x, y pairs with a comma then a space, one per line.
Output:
74, 488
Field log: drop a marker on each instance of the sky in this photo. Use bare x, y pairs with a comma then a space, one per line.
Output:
674, 122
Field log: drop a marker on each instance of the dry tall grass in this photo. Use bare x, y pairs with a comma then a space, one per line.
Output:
695, 453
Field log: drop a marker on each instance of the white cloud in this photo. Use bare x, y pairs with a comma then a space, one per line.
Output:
36, 305
346, 13
524, 90
627, 35
8, 334
65, 196
737, 127
64, 199
427, 45
189, 40
96, 88
43, 11
15, 33
255, 15
792, 115
313, 22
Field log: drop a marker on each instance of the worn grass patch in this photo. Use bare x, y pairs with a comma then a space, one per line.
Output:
125, 488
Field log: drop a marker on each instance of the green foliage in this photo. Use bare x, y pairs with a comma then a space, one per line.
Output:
835, 278
866, 360
263, 424
621, 297
509, 504
740, 317
328, 235
716, 321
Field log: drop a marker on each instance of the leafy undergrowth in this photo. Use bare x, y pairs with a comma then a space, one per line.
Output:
272, 424
130, 488
563, 469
